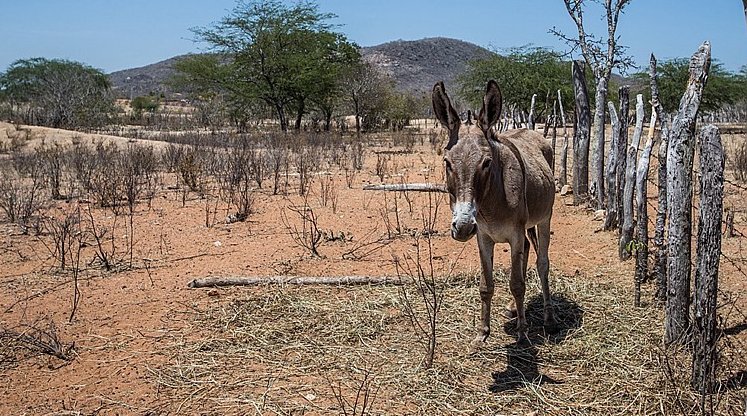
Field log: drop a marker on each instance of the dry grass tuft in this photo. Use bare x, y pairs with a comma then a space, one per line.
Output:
312, 350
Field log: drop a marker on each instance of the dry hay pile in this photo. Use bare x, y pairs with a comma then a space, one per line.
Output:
298, 350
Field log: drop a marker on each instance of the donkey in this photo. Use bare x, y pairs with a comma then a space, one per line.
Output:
501, 189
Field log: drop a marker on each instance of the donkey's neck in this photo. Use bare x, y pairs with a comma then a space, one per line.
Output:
494, 196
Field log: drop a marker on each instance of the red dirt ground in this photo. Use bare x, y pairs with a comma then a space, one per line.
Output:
122, 317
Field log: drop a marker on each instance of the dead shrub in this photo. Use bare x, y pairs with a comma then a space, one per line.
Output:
739, 162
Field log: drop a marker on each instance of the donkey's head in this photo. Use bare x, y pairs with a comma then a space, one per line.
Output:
468, 157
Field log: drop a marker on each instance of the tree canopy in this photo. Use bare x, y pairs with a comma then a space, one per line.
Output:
57, 93
286, 57
722, 87
520, 73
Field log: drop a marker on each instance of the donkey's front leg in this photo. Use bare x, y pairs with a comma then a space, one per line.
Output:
487, 287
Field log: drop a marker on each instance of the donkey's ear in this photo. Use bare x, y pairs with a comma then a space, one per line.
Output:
491, 106
445, 113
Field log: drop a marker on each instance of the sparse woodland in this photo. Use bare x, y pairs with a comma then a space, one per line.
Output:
281, 245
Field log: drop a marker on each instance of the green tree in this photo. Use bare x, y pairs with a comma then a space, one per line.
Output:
520, 73
144, 103
365, 90
722, 88
284, 56
57, 93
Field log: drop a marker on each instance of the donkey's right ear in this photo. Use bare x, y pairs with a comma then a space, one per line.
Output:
445, 113
491, 106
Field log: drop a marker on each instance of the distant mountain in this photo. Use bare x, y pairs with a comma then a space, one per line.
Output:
414, 65
144, 80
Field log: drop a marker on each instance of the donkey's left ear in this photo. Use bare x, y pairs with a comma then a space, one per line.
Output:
491, 106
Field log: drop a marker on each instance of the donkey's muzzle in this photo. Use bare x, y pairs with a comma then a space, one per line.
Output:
463, 232
463, 223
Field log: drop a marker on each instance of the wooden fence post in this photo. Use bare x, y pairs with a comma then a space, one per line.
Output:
530, 118
660, 258
641, 258
563, 177
622, 149
679, 199
632, 154
582, 134
709, 251
554, 132
610, 220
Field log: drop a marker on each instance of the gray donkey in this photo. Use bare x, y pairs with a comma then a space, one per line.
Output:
501, 189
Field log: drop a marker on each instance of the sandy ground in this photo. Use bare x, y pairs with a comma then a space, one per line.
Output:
123, 318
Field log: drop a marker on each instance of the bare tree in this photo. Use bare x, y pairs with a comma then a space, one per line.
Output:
602, 55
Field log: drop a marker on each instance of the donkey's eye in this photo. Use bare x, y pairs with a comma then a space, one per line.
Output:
486, 163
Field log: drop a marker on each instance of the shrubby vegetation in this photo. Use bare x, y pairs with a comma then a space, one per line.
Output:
723, 87
57, 93
522, 72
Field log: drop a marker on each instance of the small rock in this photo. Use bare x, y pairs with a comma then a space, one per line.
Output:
212, 293
217, 243
565, 190
599, 215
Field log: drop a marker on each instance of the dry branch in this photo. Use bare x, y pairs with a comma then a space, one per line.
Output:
414, 187
297, 280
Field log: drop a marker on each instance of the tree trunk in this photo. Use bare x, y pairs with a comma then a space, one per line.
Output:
281, 115
297, 280
530, 118
610, 221
626, 237
299, 115
622, 148
641, 259
563, 179
581, 135
679, 198
598, 182
707, 262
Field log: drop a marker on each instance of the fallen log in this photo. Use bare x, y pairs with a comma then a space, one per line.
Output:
415, 187
216, 281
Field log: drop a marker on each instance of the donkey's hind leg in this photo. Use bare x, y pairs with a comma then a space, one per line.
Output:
542, 245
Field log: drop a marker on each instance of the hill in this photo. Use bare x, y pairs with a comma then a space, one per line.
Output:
133, 82
414, 65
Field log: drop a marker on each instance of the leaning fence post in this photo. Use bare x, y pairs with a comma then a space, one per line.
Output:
626, 237
707, 260
610, 221
679, 199
622, 148
660, 258
641, 258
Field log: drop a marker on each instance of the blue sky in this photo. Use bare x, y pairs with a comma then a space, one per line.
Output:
116, 34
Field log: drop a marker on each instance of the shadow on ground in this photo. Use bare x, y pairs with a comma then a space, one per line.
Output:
523, 356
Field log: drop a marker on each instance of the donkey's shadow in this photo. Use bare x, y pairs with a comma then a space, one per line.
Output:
522, 355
